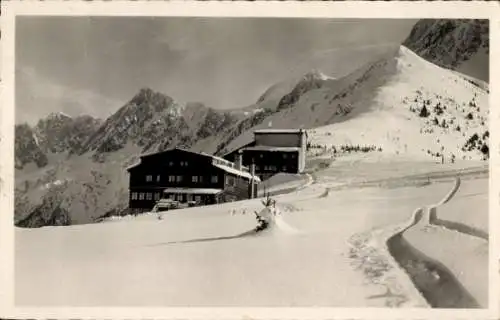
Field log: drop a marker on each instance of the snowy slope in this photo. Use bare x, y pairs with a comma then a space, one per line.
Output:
390, 91
202, 257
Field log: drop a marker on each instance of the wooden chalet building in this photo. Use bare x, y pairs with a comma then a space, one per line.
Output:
273, 151
185, 176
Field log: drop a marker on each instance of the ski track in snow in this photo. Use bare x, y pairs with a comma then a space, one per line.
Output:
372, 249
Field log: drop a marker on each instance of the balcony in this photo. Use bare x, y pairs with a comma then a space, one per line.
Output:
229, 164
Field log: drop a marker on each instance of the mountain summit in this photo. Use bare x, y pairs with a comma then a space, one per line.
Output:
459, 44
391, 91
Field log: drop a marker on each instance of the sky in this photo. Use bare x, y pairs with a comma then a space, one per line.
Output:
94, 65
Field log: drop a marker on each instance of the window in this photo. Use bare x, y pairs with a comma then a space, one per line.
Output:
171, 196
285, 155
197, 198
294, 155
184, 163
149, 178
170, 163
157, 196
272, 168
189, 197
134, 195
214, 179
171, 178
261, 155
141, 196
197, 179
149, 196
229, 180
257, 168
179, 178
158, 178
284, 168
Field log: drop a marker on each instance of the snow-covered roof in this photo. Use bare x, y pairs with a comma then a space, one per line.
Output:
219, 162
235, 171
193, 190
152, 153
272, 149
248, 144
134, 165
279, 131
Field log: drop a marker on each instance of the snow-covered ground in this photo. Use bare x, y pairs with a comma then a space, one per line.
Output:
209, 257
463, 253
474, 194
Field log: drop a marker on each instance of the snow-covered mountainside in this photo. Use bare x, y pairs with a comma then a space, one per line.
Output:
55, 134
400, 104
59, 132
397, 104
461, 44
27, 148
154, 121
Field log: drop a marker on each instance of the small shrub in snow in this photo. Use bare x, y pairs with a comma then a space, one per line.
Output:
438, 110
270, 206
469, 116
443, 124
424, 113
485, 150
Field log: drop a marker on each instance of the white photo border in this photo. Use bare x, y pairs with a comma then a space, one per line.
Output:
313, 9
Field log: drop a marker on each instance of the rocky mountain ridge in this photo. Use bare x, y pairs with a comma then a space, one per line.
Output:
456, 44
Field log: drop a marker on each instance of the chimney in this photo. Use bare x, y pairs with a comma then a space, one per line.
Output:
238, 161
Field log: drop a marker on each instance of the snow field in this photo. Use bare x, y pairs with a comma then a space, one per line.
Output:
197, 256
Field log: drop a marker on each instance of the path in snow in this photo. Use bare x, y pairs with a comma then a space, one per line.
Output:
429, 256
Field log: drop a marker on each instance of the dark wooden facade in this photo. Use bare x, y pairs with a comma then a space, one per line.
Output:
190, 176
270, 162
272, 152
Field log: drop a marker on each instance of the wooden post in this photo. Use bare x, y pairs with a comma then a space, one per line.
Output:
252, 181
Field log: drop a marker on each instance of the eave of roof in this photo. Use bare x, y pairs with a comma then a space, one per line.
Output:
193, 190
272, 149
279, 131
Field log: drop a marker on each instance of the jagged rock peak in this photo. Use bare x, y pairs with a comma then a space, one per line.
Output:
58, 115
316, 74
148, 94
